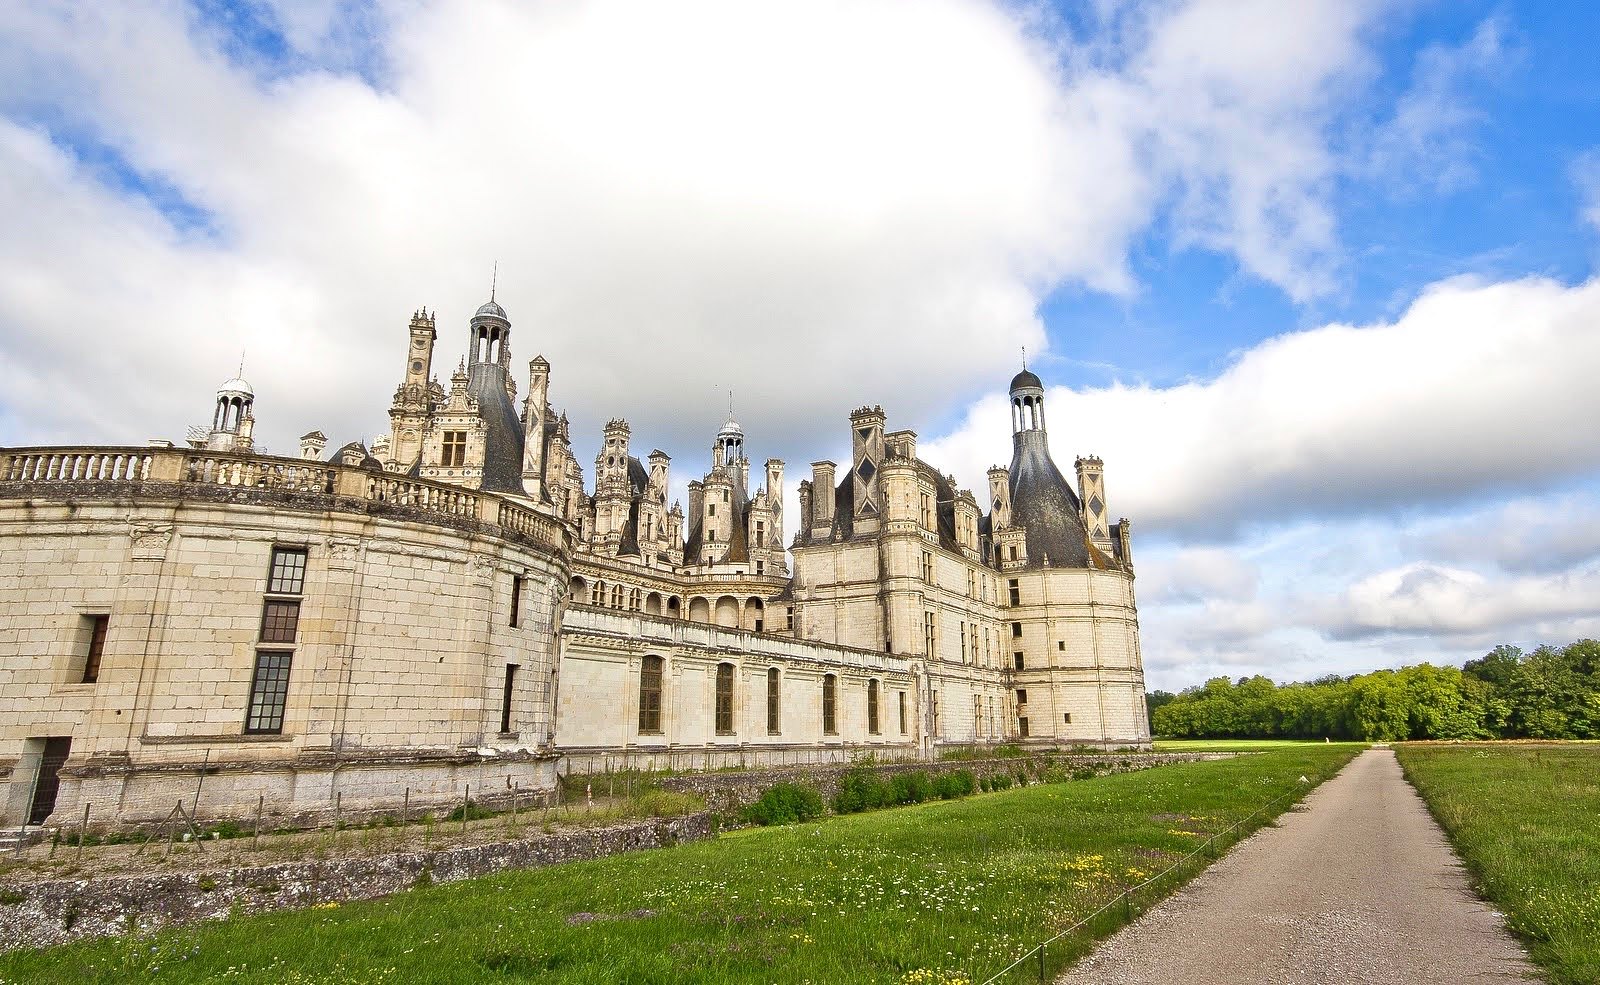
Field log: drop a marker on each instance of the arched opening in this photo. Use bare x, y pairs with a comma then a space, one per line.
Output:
754, 614
699, 610
728, 612
578, 589
673, 606
616, 596
597, 594
652, 604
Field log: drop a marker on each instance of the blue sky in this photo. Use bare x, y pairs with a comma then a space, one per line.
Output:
1315, 280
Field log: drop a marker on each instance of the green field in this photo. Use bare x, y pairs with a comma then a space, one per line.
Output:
933, 893
1240, 745
1526, 819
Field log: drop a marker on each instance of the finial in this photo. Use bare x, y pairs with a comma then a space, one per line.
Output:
494, 280
730, 403
240, 375
1024, 357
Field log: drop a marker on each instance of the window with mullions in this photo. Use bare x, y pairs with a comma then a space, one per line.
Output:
773, 701
650, 695
872, 707
269, 692
280, 620
288, 574
724, 699
830, 720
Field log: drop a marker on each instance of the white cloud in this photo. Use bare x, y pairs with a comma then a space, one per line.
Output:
1428, 140
1432, 599
1475, 388
1527, 534
1585, 172
818, 204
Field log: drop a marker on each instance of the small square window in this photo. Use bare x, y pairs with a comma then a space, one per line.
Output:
280, 620
1066, 717
1061, 644
288, 576
1016, 630
1017, 659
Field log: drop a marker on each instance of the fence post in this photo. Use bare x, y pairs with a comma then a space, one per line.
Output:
1041, 963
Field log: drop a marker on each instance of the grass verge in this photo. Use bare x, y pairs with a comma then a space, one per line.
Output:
1237, 745
942, 892
1526, 820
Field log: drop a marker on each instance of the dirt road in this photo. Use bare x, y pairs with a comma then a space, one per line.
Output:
1359, 885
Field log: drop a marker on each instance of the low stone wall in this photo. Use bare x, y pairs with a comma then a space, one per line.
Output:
728, 792
39, 914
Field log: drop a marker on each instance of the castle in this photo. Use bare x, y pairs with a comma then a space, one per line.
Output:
453, 610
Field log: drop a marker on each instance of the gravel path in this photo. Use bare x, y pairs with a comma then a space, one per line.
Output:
1356, 885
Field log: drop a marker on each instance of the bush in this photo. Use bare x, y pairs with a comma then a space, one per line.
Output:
1000, 781
473, 812
784, 803
948, 786
860, 790
910, 788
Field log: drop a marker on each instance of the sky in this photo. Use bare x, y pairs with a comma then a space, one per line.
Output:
1316, 280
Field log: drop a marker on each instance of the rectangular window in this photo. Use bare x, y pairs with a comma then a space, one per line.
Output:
280, 620
1066, 717
505, 699
1022, 696
1017, 659
269, 692
1011, 552
724, 699
872, 707
927, 566
1016, 630
761, 569
455, 449
1016, 592
650, 695
935, 710
1022, 727
288, 573
963, 642
788, 618
902, 697
516, 603
930, 633
97, 647
830, 720
711, 509
761, 533
773, 702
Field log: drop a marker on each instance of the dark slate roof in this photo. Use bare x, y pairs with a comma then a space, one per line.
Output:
367, 459
638, 482
739, 546
1044, 505
502, 459
1024, 379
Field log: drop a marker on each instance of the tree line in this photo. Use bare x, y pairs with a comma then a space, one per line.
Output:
1548, 693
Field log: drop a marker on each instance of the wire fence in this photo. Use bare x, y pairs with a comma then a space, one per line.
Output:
1125, 899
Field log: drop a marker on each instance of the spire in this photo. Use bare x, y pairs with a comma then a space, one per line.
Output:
494, 280
1024, 358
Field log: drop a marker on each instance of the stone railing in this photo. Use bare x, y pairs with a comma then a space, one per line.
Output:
91, 471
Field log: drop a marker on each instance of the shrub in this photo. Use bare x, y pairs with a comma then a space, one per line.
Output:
860, 790
910, 788
948, 786
784, 803
1000, 781
473, 812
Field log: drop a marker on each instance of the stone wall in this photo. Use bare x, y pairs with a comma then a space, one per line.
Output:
728, 792
42, 914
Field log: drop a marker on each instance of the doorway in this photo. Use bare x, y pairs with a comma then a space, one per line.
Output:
48, 783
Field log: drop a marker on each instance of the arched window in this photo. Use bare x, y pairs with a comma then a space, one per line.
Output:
650, 695
773, 702
830, 689
724, 699
872, 707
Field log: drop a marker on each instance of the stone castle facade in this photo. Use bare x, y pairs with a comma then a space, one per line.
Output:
455, 609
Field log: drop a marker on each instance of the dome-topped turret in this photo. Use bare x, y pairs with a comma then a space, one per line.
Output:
1025, 380
731, 430
236, 387
491, 309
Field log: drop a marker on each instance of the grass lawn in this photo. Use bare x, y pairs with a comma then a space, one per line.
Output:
1238, 745
1526, 819
940, 893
